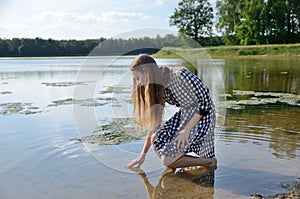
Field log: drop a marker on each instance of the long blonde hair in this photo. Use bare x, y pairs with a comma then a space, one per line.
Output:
148, 100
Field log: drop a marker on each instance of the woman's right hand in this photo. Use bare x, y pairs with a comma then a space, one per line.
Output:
137, 161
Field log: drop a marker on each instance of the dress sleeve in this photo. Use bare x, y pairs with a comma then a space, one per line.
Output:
198, 89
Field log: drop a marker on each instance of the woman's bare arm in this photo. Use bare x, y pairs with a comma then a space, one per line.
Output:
141, 158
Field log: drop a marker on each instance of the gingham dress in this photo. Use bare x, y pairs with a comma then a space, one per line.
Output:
186, 91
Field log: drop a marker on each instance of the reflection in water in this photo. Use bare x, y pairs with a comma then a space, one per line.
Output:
271, 118
193, 183
266, 124
272, 75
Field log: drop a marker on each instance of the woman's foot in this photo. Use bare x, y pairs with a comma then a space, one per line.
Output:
213, 162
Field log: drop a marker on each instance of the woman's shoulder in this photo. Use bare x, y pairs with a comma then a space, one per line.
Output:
179, 74
179, 71
183, 73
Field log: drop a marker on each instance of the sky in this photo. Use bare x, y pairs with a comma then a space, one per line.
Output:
83, 19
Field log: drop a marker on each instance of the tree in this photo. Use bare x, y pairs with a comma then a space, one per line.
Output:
259, 21
3, 48
228, 19
193, 18
283, 18
252, 27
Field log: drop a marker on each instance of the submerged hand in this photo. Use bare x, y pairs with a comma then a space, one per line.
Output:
137, 161
182, 139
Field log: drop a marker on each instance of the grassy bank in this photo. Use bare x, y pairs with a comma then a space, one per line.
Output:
233, 51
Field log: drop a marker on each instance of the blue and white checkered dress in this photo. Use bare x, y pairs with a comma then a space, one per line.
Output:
186, 91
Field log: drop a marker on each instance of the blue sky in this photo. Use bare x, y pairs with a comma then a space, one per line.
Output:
82, 19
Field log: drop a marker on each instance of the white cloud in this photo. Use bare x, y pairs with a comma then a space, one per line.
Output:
81, 18
73, 17
65, 24
156, 2
124, 16
162, 2
159, 2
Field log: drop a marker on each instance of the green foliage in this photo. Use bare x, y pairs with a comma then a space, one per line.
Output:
248, 22
193, 18
248, 52
234, 51
252, 27
40, 47
228, 18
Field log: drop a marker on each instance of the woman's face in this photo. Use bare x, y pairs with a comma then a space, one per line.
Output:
139, 77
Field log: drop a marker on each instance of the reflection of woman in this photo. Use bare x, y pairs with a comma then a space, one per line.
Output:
191, 129
196, 183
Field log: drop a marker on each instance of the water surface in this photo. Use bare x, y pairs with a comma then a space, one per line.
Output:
257, 137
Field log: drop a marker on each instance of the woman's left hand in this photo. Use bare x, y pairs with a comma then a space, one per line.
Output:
137, 161
182, 139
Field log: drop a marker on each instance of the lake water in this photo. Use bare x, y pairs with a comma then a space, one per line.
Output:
46, 104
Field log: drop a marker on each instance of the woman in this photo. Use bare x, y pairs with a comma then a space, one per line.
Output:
190, 130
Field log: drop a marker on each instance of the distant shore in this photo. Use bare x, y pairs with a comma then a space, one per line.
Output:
250, 51
283, 50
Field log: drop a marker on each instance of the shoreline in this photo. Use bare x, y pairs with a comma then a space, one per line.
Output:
252, 51
292, 191
215, 52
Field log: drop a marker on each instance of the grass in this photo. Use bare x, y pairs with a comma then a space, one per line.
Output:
233, 51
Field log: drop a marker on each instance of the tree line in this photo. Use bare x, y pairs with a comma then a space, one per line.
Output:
38, 47
26, 47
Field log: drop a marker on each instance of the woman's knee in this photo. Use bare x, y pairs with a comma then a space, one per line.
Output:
171, 162
168, 161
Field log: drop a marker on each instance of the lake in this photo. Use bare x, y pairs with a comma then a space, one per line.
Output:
53, 110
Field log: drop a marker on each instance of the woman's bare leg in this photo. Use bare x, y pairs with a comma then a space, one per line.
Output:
183, 160
187, 161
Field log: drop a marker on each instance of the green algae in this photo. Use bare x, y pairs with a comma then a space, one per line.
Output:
18, 108
115, 89
63, 84
238, 99
5, 92
118, 131
84, 102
